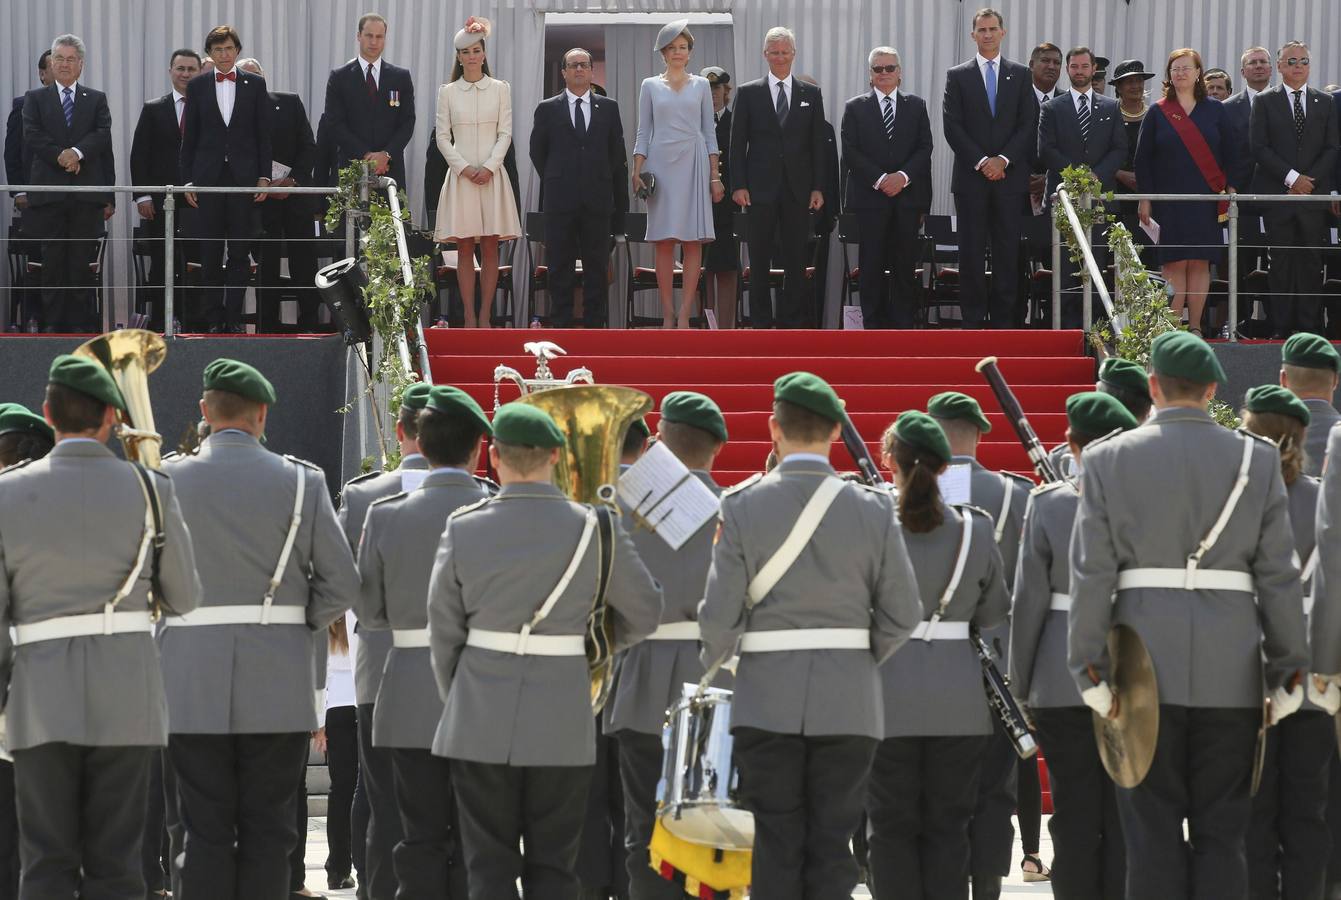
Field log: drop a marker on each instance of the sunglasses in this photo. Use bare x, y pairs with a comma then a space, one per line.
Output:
1297, 61
884, 70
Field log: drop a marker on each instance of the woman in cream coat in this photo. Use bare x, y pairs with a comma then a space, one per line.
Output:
474, 131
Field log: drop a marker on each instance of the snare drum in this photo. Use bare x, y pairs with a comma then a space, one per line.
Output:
696, 798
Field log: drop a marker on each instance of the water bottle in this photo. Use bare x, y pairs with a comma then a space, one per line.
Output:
535, 322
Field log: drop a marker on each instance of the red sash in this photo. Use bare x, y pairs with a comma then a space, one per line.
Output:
1197, 147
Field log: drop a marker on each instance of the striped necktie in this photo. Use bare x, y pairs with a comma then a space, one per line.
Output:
889, 118
67, 104
1084, 116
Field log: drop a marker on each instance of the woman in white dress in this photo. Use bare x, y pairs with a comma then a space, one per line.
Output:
677, 143
474, 131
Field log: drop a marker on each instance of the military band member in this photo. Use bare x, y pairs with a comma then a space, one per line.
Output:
508, 601
1123, 379
650, 676
838, 599
240, 673
1089, 861
1003, 495
384, 828
1222, 525
84, 711
1309, 367
395, 562
1287, 842
924, 783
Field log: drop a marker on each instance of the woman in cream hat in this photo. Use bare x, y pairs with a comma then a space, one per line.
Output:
474, 131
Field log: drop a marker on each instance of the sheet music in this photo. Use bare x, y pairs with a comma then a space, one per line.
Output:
278, 170
410, 479
1152, 229
956, 482
666, 497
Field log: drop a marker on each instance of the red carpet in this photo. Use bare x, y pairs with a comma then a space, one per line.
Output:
878, 373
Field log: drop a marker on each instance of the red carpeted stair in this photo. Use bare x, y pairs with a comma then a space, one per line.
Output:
878, 373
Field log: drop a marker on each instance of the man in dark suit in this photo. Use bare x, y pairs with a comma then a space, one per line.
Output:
778, 146
887, 161
1255, 64
1080, 128
288, 222
154, 154
15, 170
67, 128
225, 142
1045, 68
989, 115
577, 147
722, 256
370, 105
1294, 142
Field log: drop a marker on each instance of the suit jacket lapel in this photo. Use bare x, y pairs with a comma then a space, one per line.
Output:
980, 87
82, 122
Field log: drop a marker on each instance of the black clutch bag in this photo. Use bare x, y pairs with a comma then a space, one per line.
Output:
649, 186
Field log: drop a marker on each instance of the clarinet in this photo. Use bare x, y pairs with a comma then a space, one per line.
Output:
870, 473
1001, 700
1023, 430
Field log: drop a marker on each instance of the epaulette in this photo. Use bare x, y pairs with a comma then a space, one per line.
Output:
397, 496
488, 484
1023, 479
471, 507
366, 476
1242, 429
1105, 437
174, 456
18, 465
1048, 486
970, 508
303, 462
882, 490
736, 488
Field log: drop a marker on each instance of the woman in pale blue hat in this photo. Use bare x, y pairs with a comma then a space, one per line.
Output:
677, 143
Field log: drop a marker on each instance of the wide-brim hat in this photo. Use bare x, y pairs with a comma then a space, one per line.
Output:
1130, 68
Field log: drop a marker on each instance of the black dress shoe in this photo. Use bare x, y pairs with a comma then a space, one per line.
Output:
340, 884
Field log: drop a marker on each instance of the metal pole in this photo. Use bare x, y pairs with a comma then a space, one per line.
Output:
1056, 271
169, 262
1233, 269
1087, 289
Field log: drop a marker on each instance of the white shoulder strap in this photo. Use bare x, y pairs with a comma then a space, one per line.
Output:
1307, 574
583, 542
1004, 515
295, 519
146, 541
965, 544
772, 571
1240, 483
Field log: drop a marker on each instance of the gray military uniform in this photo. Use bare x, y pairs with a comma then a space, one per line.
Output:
853, 573
934, 687
395, 561
1322, 417
1325, 623
1063, 463
495, 566
253, 679
70, 530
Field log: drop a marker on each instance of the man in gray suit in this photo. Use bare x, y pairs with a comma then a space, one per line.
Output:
240, 672
508, 602
1183, 535
1004, 496
1309, 367
650, 676
395, 562
84, 712
811, 583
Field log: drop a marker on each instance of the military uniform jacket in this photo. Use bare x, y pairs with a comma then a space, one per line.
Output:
1325, 623
253, 679
1303, 500
854, 573
650, 676
358, 495
1063, 463
400, 539
1038, 673
70, 530
934, 688
1322, 417
496, 564
987, 491
1147, 499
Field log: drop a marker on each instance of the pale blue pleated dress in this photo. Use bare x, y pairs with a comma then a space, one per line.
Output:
676, 133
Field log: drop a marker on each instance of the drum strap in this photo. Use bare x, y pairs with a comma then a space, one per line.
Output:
588, 527
295, 519
965, 544
771, 572
1002, 516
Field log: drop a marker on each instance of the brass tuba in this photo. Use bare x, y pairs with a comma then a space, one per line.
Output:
594, 418
130, 354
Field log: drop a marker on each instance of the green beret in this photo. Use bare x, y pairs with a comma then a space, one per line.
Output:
88, 377
1125, 374
1182, 354
416, 395
17, 418
639, 427
1311, 352
923, 433
693, 408
1094, 414
453, 401
954, 405
809, 392
1265, 398
239, 378
525, 425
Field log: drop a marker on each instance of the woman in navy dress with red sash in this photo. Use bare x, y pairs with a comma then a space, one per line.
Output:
1185, 147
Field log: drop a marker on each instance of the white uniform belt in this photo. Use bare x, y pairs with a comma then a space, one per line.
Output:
85, 625
250, 614
805, 639
675, 631
941, 631
1186, 580
409, 638
1060, 603
527, 645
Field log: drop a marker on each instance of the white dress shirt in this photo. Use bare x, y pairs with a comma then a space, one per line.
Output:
179, 109
982, 70
1291, 175
1041, 96
773, 82
225, 93
572, 106
894, 106
376, 73
1075, 99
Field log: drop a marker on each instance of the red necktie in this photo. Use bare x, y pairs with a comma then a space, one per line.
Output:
372, 84
220, 77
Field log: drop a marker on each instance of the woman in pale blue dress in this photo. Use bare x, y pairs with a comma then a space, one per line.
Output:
677, 143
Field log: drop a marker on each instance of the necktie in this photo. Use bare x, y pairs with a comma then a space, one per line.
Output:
1084, 116
67, 105
579, 120
1298, 116
220, 77
181, 117
889, 118
991, 85
782, 103
372, 82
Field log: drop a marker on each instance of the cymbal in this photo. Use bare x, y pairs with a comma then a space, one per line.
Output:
1127, 742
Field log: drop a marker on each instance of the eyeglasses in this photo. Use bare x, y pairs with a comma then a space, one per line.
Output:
1297, 61
577, 65
1182, 70
884, 70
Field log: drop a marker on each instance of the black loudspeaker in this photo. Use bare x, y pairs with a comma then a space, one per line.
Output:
341, 287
